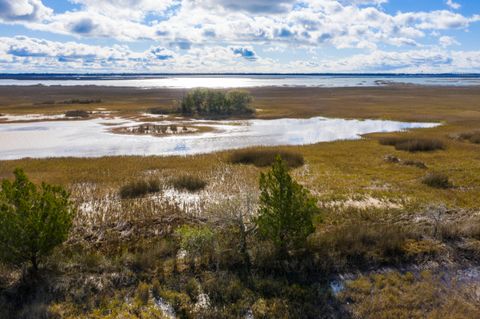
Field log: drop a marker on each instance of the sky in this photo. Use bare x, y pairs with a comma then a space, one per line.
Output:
240, 36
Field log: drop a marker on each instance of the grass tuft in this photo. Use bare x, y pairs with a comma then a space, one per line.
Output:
417, 164
142, 294
263, 158
437, 180
188, 182
413, 144
473, 137
77, 113
139, 188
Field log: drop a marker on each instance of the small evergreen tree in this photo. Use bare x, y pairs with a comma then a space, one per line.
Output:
33, 220
286, 209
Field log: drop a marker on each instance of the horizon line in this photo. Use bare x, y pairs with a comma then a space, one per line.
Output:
237, 73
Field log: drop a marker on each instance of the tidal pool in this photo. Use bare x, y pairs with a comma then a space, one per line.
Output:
93, 138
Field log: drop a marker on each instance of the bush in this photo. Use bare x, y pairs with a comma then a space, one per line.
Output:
156, 288
139, 188
286, 209
33, 221
197, 241
188, 182
437, 180
142, 294
263, 158
77, 113
413, 144
217, 103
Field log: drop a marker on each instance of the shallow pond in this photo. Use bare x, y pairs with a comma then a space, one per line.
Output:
93, 138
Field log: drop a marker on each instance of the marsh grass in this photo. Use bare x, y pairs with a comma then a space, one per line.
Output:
418, 164
437, 180
139, 188
189, 183
473, 136
413, 144
109, 226
77, 113
409, 295
162, 111
363, 244
265, 157
142, 294
82, 101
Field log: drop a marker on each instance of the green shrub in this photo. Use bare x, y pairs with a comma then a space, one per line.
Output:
198, 241
33, 220
192, 288
216, 103
437, 180
188, 182
142, 294
263, 158
139, 188
413, 144
156, 288
286, 209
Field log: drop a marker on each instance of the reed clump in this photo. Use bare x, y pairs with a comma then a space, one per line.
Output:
77, 113
139, 188
189, 183
437, 180
473, 137
263, 158
413, 144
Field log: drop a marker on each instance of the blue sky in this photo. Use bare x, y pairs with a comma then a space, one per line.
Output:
240, 36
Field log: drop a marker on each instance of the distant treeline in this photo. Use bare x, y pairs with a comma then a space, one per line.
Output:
216, 103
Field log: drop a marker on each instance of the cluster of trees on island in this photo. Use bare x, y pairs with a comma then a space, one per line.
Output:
207, 102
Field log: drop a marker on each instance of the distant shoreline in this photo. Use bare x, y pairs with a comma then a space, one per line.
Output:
227, 81
15, 75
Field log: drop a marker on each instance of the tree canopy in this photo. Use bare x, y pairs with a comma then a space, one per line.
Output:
286, 208
216, 103
33, 220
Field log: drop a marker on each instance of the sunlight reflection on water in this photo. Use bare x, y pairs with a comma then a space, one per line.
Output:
239, 81
91, 138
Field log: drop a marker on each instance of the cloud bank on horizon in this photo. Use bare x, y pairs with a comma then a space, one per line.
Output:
284, 36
